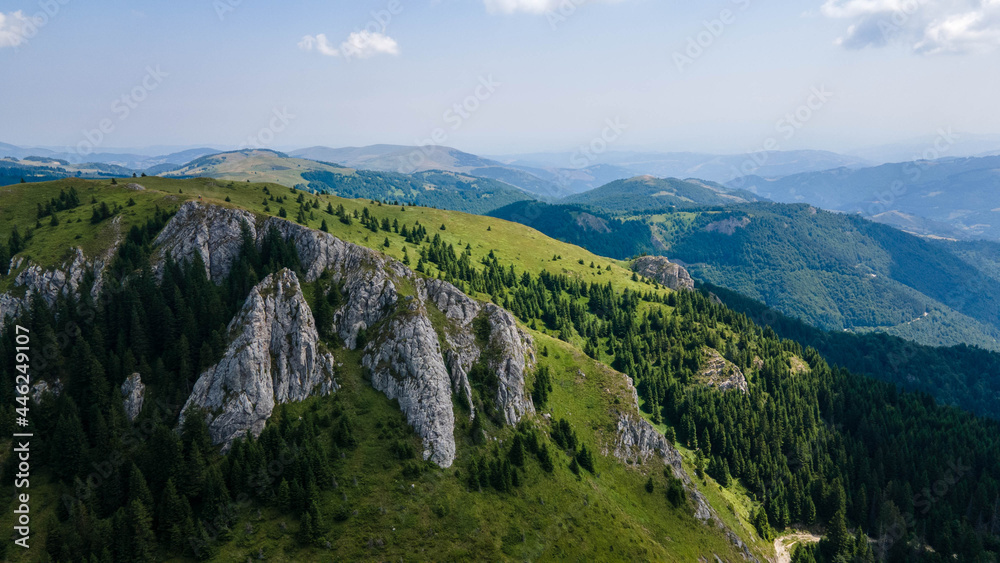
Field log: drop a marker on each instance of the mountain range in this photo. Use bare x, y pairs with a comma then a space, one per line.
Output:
950, 197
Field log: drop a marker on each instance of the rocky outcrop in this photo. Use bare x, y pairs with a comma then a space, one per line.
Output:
42, 387
721, 374
637, 441
274, 357
663, 271
509, 355
462, 350
32, 280
509, 350
408, 366
10, 306
214, 233
133, 393
403, 349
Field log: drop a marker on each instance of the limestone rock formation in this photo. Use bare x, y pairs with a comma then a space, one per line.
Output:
408, 366
213, 232
133, 393
721, 374
663, 271
42, 387
402, 349
510, 356
274, 357
32, 280
637, 441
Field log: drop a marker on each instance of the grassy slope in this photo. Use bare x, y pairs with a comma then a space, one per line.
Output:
257, 166
559, 517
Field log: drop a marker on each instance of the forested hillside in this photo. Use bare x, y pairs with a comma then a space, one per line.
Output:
835, 271
584, 474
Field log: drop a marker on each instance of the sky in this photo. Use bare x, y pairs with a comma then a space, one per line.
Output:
497, 76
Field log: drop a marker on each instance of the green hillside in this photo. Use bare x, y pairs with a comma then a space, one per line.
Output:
647, 192
336, 478
434, 188
835, 271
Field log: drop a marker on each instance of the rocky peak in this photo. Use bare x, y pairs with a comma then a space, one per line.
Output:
213, 232
663, 271
274, 357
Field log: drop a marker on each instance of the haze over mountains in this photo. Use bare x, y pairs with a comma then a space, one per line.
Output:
952, 197
956, 196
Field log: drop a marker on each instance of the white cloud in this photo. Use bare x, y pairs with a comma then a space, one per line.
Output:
926, 26
535, 6
360, 45
529, 6
15, 29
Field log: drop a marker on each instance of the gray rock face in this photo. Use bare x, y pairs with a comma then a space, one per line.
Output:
462, 350
402, 349
510, 357
273, 358
408, 366
663, 271
133, 393
49, 284
214, 233
10, 306
637, 441
722, 374
42, 387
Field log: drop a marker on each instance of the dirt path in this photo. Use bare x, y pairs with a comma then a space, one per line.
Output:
785, 545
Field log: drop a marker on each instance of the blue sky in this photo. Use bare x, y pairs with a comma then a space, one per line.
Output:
301, 73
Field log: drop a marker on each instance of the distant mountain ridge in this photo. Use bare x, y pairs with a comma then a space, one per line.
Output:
648, 192
432, 188
962, 193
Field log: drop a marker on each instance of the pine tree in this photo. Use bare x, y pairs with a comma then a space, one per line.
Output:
574, 467
143, 541
322, 312
516, 455
284, 495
